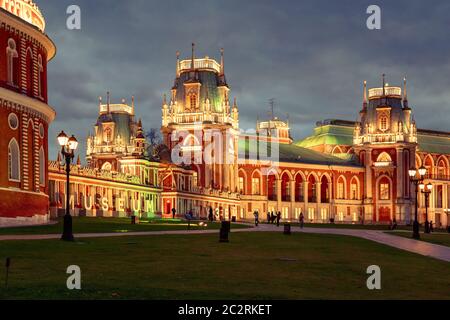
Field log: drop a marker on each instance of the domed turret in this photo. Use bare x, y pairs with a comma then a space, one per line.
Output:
385, 116
26, 10
201, 90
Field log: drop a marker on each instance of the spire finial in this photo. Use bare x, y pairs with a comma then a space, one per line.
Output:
164, 99
365, 96
132, 104
178, 64
235, 102
100, 104
193, 56
222, 62
108, 101
384, 85
405, 93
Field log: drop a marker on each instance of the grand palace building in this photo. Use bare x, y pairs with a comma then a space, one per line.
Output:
345, 171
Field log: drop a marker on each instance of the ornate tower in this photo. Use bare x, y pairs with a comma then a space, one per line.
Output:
117, 137
199, 125
385, 140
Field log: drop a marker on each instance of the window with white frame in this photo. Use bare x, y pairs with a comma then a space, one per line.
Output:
13, 161
255, 186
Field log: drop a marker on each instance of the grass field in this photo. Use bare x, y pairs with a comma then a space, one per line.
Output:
252, 266
106, 225
436, 238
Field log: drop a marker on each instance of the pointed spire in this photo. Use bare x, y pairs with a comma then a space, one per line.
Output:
365, 96
78, 161
405, 94
235, 102
178, 64
108, 101
164, 99
384, 85
222, 62
132, 105
193, 57
100, 104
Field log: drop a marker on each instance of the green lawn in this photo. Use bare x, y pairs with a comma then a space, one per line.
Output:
106, 225
252, 266
437, 238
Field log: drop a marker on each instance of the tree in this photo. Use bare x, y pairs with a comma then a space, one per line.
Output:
154, 139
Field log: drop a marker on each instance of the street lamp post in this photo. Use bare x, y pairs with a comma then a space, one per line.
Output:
68, 147
426, 191
416, 176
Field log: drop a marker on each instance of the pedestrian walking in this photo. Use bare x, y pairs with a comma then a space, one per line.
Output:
256, 214
174, 211
302, 220
268, 216
431, 226
278, 218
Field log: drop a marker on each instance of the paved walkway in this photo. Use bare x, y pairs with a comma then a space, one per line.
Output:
411, 245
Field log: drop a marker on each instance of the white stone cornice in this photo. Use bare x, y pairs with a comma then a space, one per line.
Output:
30, 103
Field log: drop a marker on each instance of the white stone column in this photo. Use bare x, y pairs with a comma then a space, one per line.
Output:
400, 176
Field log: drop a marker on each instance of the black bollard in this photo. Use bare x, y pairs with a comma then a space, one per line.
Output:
287, 229
8, 264
224, 230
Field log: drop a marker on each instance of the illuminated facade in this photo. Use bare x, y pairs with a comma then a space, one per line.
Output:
24, 113
352, 172
119, 179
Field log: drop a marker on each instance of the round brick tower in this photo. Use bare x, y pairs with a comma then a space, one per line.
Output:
24, 113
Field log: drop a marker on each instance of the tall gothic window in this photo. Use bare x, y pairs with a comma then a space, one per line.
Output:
193, 102
383, 123
108, 135
40, 78
385, 189
13, 161
30, 72
11, 60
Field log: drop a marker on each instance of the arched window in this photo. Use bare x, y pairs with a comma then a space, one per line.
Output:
11, 61
256, 183
442, 169
40, 77
340, 188
193, 102
384, 157
42, 167
354, 189
385, 189
107, 166
383, 123
324, 190
299, 188
13, 161
312, 196
108, 134
285, 187
30, 72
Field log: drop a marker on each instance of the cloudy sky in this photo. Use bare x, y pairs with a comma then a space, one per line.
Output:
311, 56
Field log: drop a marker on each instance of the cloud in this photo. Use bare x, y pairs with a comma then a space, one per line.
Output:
312, 56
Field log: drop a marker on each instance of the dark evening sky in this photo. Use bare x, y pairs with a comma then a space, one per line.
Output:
311, 56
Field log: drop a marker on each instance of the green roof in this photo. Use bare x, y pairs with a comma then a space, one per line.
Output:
434, 143
328, 135
341, 134
289, 153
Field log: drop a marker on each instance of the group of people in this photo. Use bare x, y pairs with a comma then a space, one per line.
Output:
272, 217
276, 218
